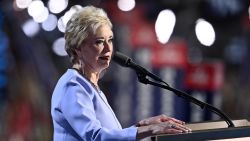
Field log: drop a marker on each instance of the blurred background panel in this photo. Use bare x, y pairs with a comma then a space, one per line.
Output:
201, 47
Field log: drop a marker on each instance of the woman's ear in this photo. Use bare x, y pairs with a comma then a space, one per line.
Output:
77, 52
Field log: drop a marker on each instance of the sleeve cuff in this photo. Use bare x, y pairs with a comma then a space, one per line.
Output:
131, 132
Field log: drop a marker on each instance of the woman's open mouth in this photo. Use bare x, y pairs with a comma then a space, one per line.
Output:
104, 58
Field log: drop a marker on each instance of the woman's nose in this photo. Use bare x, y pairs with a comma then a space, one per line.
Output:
108, 46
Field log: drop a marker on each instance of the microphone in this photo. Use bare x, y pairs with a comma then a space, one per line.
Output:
125, 61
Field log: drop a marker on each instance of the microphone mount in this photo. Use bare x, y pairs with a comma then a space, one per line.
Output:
142, 78
142, 74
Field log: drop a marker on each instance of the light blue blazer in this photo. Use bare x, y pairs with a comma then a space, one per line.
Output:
81, 113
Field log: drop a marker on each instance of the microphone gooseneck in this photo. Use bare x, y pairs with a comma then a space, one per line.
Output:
125, 61
142, 73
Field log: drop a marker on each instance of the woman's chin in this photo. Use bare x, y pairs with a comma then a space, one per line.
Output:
104, 65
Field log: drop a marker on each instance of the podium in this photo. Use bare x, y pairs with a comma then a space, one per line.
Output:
216, 131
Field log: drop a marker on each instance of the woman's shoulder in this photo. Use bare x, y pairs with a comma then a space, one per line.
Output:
71, 83
73, 78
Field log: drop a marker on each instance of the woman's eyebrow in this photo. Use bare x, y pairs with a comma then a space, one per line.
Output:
97, 38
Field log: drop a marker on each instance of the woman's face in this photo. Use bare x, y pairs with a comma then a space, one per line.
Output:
96, 50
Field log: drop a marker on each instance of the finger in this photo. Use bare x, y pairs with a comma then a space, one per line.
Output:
166, 131
168, 128
143, 123
176, 121
163, 118
152, 120
181, 127
172, 131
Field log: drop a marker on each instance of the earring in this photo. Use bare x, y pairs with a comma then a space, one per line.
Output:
81, 66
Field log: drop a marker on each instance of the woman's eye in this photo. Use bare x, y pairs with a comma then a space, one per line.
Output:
99, 42
110, 40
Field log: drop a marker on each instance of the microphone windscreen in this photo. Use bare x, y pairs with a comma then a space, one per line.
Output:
121, 59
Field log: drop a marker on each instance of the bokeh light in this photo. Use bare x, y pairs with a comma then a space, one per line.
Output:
43, 16
164, 25
126, 5
36, 8
58, 47
50, 23
30, 28
22, 4
205, 32
57, 6
62, 22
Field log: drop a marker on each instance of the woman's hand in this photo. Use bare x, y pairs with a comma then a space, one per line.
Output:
158, 119
160, 125
167, 127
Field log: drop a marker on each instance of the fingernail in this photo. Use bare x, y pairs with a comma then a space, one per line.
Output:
185, 131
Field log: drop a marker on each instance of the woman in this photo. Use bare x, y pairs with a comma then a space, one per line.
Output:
79, 108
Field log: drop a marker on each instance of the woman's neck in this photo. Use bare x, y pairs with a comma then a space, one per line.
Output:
90, 75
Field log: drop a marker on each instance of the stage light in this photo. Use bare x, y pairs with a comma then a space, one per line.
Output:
62, 22
205, 32
30, 28
35, 8
249, 11
43, 16
22, 4
58, 47
50, 23
57, 6
164, 25
126, 5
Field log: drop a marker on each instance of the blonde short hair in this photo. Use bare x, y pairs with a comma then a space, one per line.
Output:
85, 21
